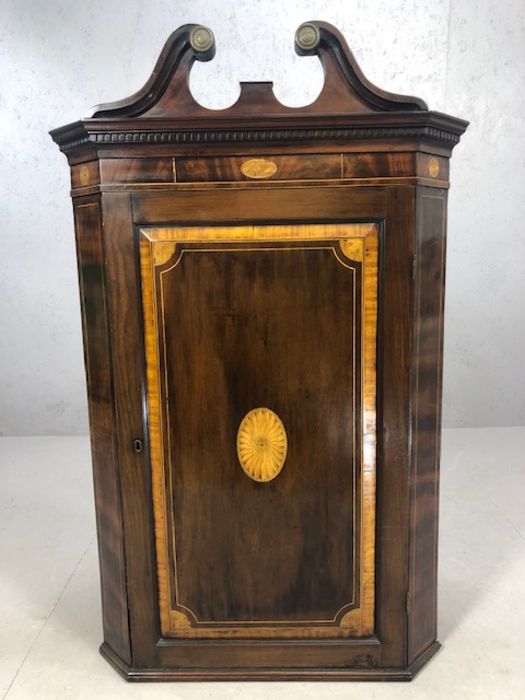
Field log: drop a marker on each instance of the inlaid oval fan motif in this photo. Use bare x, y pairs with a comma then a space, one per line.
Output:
261, 444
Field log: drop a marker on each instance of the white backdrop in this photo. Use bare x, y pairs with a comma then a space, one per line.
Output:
59, 57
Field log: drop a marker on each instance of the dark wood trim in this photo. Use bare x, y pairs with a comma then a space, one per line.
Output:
292, 184
337, 58
155, 675
178, 55
300, 205
167, 93
100, 384
426, 382
428, 126
394, 361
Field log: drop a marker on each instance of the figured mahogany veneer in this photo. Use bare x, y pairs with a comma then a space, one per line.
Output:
238, 341
262, 303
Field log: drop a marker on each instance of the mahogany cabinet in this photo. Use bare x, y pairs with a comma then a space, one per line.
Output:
262, 303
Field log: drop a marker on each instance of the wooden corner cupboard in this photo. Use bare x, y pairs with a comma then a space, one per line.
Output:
262, 304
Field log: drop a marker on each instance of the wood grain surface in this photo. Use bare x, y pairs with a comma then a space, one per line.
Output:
270, 257
283, 348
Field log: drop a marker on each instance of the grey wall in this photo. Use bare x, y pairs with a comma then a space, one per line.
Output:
60, 57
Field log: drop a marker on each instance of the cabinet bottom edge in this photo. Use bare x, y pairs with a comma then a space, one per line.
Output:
152, 675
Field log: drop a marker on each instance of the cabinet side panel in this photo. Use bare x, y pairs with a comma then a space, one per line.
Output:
126, 342
426, 418
394, 358
101, 417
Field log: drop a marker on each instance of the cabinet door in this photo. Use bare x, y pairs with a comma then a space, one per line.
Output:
260, 347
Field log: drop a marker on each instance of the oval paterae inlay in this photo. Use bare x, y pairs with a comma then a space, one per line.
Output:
261, 444
258, 168
84, 175
433, 167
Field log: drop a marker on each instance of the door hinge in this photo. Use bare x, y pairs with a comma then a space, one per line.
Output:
414, 267
408, 603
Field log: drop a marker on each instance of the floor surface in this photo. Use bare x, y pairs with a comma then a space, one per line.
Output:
49, 588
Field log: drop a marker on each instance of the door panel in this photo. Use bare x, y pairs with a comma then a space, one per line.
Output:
260, 351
